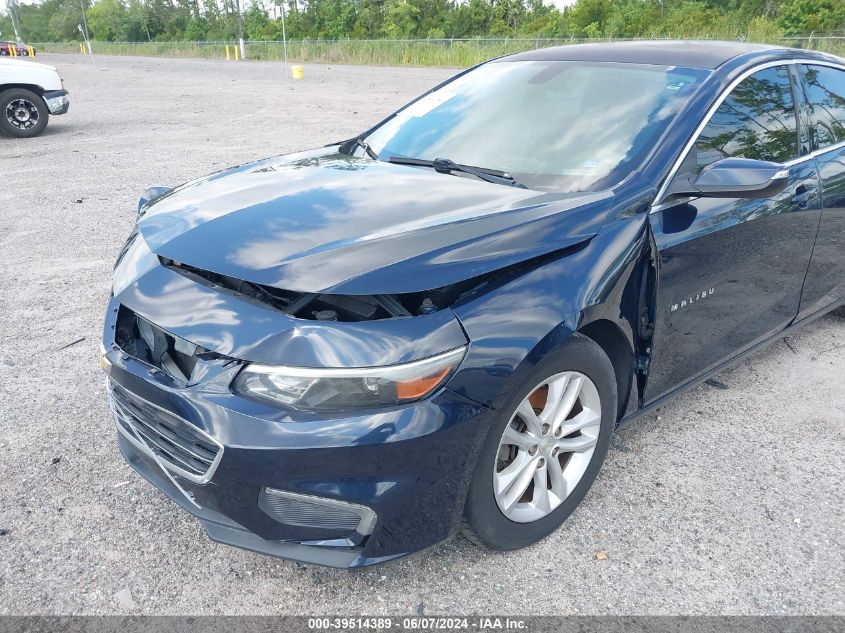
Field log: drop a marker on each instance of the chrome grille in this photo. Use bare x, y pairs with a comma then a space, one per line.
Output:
178, 445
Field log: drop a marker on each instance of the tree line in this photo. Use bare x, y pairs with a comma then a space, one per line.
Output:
198, 20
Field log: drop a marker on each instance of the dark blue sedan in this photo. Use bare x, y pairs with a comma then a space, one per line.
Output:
344, 355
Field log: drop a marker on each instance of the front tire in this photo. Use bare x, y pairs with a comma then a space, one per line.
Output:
541, 457
23, 114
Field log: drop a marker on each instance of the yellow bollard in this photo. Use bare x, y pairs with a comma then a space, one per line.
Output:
227, 53
13, 49
81, 48
237, 52
297, 71
31, 51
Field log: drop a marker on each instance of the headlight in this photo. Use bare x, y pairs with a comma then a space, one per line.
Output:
337, 389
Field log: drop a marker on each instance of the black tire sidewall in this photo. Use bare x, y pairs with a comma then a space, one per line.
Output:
43, 112
482, 513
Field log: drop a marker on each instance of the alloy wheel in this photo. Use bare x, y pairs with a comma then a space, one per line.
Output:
547, 446
22, 113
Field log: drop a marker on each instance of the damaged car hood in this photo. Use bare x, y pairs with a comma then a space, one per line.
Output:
325, 222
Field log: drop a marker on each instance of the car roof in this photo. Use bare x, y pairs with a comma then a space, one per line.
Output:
688, 53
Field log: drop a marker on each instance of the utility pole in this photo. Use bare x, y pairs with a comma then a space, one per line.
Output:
85, 39
84, 25
12, 8
285, 40
240, 29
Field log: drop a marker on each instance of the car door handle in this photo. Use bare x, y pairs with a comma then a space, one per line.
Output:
802, 196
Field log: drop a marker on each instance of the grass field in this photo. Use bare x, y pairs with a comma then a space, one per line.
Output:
436, 53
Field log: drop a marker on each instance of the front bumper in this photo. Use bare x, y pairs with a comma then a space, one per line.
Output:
224, 530
57, 101
410, 465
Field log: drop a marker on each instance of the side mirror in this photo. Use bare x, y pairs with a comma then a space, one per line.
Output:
151, 194
734, 178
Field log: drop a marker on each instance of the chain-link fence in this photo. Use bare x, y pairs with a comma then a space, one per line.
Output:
414, 52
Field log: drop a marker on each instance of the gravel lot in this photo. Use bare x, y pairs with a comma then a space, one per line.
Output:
730, 500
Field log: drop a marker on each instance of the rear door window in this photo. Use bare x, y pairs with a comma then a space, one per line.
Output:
756, 120
824, 88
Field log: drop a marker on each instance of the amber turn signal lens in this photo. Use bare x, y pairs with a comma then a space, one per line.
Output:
416, 389
104, 361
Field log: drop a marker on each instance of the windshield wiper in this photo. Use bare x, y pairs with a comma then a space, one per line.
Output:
445, 166
359, 142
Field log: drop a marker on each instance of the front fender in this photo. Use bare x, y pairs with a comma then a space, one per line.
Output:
512, 328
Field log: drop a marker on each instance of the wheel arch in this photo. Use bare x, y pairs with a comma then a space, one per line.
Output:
31, 87
619, 349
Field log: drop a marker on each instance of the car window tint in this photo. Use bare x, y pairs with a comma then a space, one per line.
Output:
825, 92
757, 120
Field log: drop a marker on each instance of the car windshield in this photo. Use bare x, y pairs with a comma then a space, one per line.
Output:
553, 125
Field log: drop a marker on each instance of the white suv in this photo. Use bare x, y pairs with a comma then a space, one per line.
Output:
29, 93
